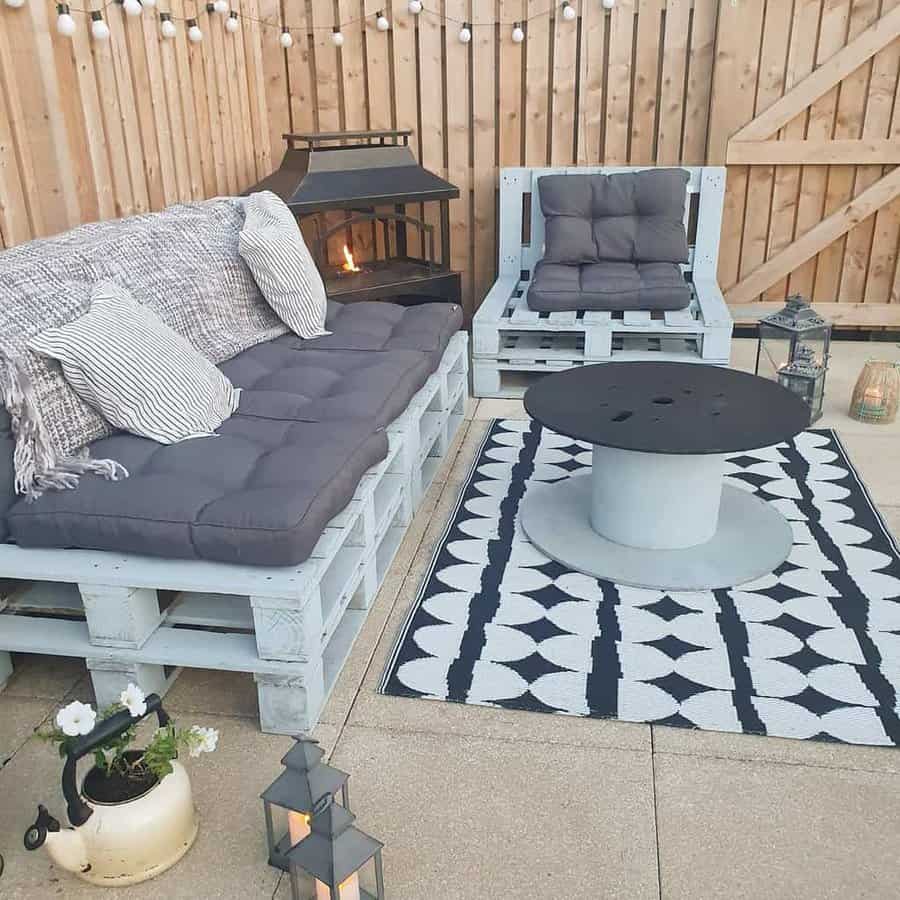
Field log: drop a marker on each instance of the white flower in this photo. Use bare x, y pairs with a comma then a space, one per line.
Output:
76, 718
132, 698
203, 740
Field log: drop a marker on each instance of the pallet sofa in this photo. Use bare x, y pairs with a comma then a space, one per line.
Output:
514, 343
376, 403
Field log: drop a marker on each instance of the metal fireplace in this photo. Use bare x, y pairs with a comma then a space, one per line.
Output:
364, 204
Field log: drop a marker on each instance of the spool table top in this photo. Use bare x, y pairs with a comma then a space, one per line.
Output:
667, 407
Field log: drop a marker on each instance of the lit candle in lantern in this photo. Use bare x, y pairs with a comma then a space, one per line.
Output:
873, 402
347, 890
298, 826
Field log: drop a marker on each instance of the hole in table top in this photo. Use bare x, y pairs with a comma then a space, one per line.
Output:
717, 412
663, 401
622, 416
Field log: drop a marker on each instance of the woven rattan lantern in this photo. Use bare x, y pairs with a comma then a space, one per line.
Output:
876, 394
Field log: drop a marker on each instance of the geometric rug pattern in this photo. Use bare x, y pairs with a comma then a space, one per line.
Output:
810, 651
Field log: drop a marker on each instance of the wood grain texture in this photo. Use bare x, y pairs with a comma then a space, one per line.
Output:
798, 97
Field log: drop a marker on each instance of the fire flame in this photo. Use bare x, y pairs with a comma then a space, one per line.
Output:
349, 265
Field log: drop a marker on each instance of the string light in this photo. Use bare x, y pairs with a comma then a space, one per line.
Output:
518, 34
99, 28
15, 4
231, 23
337, 37
415, 7
65, 24
166, 26
131, 7
465, 33
568, 11
195, 35
287, 39
221, 7
608, 4
381, 22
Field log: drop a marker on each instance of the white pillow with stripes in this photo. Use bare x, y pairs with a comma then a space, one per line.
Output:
138, 373
274, 250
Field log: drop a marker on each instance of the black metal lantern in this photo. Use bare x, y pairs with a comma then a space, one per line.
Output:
299, 791
793, 349
330, 863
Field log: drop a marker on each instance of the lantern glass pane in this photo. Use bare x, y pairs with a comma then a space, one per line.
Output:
303, 885
775, 350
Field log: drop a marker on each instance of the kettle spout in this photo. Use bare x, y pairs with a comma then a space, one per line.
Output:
67, 849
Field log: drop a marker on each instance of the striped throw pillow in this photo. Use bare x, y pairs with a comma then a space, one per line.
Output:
138, 373
275, 252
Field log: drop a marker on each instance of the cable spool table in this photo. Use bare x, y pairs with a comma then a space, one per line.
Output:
654, 511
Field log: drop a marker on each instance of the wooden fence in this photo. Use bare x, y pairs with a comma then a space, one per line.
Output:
797, 96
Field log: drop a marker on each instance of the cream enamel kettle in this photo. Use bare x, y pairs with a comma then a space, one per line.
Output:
115, 844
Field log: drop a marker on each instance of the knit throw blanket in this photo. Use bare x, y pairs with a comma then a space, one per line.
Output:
183, 263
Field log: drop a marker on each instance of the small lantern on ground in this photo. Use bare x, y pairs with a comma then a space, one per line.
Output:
793, 349
329, 864
297, 791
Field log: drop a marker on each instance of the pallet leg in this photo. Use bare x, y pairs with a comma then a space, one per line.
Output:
291, 705
485, 378
6, 668
364, 595
288, 628
120, 616
111, 677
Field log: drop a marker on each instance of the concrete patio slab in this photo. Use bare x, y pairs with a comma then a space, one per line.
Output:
741, 829
18, 719
455, 830
46, 677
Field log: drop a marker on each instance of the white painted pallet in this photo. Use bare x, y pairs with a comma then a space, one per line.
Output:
292, 627
512, 343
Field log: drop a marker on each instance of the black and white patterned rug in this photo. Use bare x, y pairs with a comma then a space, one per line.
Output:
810, 651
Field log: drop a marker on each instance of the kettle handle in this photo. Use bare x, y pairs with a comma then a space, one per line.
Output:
77, 810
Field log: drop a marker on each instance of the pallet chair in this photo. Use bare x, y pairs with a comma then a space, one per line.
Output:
513, 344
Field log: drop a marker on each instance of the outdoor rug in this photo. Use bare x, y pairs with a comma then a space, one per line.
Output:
810, 651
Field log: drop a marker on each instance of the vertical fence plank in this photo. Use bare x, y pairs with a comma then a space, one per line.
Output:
565, 74
299, 64
189, 112
276, 87
171, 87
251, 35
736, 67
786, 189
484, 158
704, 24
590, 82
511, 56
647, 51
848, 125
537, 83
820, 125
672, 100
619, 75
770, 87
431, 100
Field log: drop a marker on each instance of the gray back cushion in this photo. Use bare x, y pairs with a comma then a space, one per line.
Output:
627, 216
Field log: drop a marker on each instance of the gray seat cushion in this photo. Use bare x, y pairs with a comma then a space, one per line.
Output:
626, 217
310, 423
608, 286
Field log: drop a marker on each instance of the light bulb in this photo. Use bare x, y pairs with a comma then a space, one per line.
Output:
167, 27
221, 7
415, 7
65, 24
608, 4
465, 33
381, 23
287, 40
195, 35
15, 4
568, 12
132, 7
149, 3
518, 35
99, 28
337, 39
231, 23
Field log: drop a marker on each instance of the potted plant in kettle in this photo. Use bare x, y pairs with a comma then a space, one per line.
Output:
134, 816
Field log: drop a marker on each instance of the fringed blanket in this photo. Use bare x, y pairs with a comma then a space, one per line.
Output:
183, 263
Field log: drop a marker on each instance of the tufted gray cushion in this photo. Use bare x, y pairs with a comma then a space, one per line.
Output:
625, 217
310, 422
608, 286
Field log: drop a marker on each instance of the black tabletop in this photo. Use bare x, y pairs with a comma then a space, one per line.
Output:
667, 407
